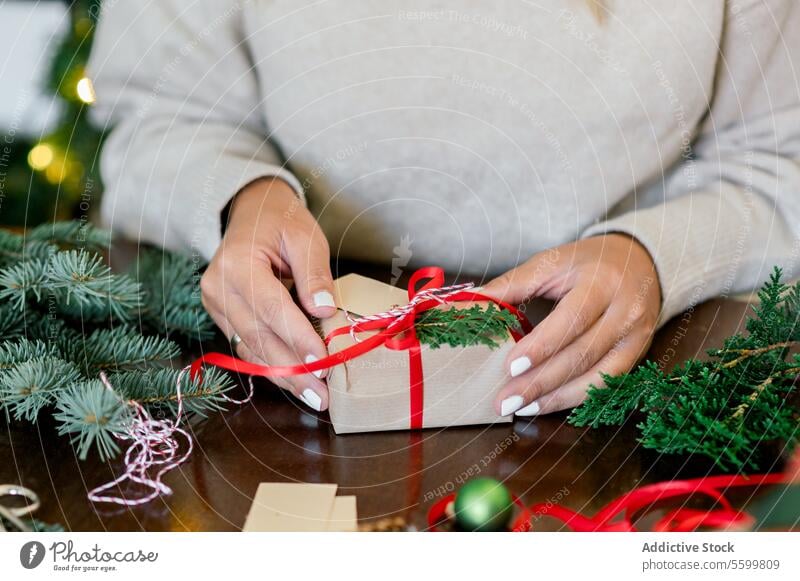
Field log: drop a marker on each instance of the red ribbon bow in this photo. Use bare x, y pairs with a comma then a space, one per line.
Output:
395, 331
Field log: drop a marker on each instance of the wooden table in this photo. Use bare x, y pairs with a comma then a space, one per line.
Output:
398, 473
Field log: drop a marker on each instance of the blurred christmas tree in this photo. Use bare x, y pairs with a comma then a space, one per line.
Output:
56, 176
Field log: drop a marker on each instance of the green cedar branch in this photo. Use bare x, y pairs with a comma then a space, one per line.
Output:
464, 327
728, 408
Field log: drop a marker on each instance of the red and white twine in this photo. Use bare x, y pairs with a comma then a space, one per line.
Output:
399, 312
154, 444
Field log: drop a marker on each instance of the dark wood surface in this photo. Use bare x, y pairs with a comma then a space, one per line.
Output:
392, 474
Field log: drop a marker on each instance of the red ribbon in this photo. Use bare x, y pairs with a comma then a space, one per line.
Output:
619, 514
396, 333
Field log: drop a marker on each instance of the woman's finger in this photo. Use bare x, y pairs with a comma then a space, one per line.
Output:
269, 306
572, 361
269, 347
525, 281
572, 317
262, 346
308, 257
619, 360
242, 351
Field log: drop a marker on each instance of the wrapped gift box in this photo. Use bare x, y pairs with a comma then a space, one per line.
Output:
372, 392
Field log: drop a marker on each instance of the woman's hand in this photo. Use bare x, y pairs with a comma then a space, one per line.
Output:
270, 234
608, 304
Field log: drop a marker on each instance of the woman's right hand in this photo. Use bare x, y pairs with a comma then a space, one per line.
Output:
270, 235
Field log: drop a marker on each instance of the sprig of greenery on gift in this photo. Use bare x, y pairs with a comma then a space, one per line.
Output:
464, 327
727, 408
65, 317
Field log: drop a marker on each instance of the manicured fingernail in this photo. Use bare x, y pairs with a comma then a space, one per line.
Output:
511, 404
520, 365
311, 359
323, 299
531, 409
312, 399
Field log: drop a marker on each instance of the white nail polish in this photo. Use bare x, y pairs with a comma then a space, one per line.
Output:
311, 359
520, 365
511, 404
312, 399
323, 299
532, 409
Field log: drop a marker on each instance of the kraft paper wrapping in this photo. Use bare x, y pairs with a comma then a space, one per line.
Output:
371, 393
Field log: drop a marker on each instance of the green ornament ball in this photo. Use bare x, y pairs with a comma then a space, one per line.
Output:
483, 504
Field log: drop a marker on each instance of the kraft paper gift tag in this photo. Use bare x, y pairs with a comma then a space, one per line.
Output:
371, 392
343, 517
295, 507
283, 506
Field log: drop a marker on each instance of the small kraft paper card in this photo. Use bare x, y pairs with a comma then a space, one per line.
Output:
300, 507
372, 392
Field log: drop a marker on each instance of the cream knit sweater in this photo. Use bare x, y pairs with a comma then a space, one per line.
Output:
467, 134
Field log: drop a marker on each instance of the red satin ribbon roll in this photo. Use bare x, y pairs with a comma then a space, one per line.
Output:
619, 514
393, 332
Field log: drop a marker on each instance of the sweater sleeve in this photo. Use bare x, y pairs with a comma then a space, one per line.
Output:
731, 211
175, 81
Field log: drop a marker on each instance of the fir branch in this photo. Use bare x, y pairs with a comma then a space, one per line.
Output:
156, 388
80, 284
93, 416
47, 359
15, 248
49, 328
121, 348
70, 234
21, 350
39, 526
35, 525
170, 284
83, 281
27, 387
12, 321
23, 281
466, 327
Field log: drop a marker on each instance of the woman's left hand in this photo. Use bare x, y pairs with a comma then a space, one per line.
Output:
608, 304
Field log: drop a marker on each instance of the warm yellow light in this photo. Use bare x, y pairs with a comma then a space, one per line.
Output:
57, 171
85, 90
40, 156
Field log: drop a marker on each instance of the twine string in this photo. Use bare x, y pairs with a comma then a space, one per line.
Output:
154, 444
400, 312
